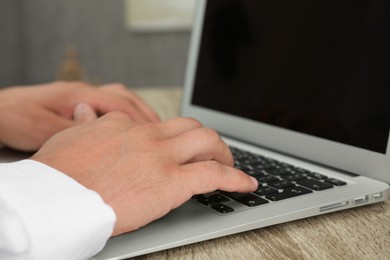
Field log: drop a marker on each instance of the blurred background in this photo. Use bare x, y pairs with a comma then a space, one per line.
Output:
137, 42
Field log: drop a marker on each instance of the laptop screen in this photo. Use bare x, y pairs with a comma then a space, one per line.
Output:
316, 67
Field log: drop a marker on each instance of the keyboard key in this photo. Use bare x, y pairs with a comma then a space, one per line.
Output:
301, 170
248, 199
289, 167
317, 176
266, 179
278, 171
252, 160
256, 172
265, 163
336, 182
217, 199
263, 166
222, 208
265, 190
315, 185
295, 177
201, 199
288, 193
282, 184
244, 168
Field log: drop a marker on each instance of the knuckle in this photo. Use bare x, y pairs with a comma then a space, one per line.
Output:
117, 115
241, 176
230, 158
213, 167
151, 133
194, 122
211, 135
118, 86
149, 127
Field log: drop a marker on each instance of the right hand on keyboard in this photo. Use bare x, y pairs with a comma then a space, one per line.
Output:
143, 170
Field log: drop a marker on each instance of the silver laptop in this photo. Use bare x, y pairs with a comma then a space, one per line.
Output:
300, 90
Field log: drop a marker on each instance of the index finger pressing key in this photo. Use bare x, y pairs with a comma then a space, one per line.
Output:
208, 176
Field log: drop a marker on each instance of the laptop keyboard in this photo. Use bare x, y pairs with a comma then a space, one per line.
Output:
277, 181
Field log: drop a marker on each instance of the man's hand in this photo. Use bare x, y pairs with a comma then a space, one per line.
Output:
31, 115
143, 170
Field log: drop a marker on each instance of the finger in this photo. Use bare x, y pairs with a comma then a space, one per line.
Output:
47, 124
177, 126
103, 104
83, 113
204, 177
136, 100
201, 144
143, 106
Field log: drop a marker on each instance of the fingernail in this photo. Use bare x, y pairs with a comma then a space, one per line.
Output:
254, 180
80, 110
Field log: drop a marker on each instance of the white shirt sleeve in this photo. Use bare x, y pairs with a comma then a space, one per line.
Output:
45, 214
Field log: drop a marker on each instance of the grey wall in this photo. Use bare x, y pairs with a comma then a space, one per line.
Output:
109, 51
11, 49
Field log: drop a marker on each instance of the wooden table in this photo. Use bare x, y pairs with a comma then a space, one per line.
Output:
360, 233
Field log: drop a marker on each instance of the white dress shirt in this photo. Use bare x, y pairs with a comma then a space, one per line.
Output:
44, 214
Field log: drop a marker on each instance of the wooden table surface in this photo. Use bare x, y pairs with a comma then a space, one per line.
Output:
360, 233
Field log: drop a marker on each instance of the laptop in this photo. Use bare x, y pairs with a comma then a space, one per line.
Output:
300, 90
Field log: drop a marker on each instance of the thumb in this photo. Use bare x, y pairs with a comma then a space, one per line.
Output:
83, 113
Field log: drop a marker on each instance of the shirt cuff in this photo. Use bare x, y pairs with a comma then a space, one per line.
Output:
45, 214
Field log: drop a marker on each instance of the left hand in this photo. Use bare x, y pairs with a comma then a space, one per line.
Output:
31, 115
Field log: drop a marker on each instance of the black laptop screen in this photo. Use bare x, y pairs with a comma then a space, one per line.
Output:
316, 67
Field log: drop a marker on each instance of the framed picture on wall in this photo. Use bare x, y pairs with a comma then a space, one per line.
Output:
159, 15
